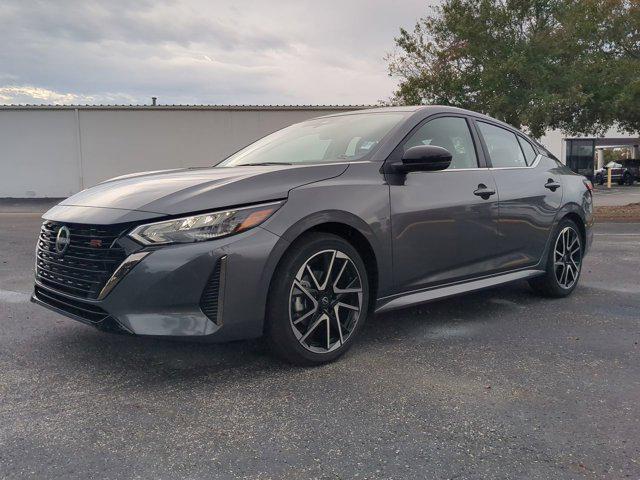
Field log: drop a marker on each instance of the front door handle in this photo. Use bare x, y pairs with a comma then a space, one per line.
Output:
552, 185
484, 192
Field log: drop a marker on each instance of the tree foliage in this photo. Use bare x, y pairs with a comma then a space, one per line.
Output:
616, 154
539, 64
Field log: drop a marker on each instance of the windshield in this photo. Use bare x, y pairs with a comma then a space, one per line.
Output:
330, 139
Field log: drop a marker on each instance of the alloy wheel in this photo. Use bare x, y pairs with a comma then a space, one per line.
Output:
325, 301
567, 257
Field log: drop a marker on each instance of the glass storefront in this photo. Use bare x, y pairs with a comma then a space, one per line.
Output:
581, 156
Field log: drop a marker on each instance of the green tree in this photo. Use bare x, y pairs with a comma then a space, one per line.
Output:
615, 154
539, 64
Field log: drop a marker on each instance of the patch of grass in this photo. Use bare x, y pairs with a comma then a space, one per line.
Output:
619, 213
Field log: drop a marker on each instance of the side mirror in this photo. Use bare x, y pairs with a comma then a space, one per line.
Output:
424, 158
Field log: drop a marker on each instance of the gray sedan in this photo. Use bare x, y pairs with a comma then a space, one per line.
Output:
304, 233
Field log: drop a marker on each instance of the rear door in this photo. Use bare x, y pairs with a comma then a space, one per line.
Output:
444, 222
530, 194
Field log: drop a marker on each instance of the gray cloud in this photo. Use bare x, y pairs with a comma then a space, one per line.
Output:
199, 51
146, 22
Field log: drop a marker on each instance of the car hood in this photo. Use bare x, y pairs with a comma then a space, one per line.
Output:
174, 192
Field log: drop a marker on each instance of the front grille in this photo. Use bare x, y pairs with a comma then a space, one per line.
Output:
90, 259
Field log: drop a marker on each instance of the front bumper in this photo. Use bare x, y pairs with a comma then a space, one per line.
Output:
163, 294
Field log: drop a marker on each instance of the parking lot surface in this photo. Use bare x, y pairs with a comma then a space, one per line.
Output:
495, 384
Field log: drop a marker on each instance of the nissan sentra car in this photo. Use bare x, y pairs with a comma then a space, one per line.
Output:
303, 234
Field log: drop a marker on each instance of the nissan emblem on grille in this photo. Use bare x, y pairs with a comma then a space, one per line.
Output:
63, 239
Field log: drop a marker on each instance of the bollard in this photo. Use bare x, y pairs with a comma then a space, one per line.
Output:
609, 177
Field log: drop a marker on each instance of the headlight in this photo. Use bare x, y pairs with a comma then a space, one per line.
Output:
206, 226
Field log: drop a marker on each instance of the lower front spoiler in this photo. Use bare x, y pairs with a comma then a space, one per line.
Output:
172, 324
106, 324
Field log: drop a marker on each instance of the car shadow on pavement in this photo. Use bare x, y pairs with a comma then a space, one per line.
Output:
148, 361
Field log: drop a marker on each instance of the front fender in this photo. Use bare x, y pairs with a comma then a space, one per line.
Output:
321, 218
362, 206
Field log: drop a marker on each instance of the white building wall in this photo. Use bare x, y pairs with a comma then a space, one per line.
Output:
38, 154
55, 152
554, 140
58, 151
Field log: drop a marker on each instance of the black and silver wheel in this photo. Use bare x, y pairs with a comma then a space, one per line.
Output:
563, 264
600, 179
318, 300
628, 179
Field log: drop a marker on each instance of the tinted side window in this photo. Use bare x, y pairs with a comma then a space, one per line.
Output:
451, 133
529, 153
503, 146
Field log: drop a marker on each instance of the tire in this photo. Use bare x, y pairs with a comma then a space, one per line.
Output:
563, 269
600, 179
304, 305
628, 179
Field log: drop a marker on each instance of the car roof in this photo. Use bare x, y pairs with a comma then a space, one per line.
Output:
424, 110
402, 108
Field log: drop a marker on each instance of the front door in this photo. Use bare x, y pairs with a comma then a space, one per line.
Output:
444, 223
530, 195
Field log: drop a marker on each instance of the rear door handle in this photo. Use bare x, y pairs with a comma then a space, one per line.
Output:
484, 192
551, 185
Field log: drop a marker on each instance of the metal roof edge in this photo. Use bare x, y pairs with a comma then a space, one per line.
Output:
187, 107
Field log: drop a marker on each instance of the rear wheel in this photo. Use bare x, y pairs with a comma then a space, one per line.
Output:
564, 263
628, 179
318, 300
600, 179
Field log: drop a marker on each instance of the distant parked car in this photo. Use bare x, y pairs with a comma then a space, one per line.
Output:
622, 174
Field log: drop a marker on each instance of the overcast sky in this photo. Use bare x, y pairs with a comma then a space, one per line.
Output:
220, 52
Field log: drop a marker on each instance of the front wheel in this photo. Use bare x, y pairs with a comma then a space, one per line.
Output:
564, 263
628, 179
318, 300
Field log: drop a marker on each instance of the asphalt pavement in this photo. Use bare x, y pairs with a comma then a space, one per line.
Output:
494, 384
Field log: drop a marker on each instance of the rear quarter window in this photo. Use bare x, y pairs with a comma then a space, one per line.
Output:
529, 153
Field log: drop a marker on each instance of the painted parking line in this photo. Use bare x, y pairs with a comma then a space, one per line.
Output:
617, 234
8, 296
21, 214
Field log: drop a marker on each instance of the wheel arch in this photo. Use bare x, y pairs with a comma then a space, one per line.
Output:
361, 244
343, 224
579, 221
571, 211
